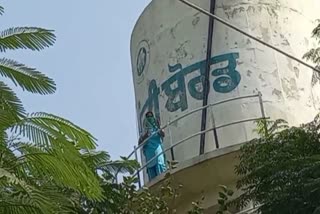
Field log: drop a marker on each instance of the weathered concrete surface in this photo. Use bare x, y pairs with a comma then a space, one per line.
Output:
201, 176
171, 39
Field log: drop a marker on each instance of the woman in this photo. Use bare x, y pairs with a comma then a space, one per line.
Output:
153, 147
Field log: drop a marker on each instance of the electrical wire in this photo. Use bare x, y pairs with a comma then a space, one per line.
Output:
248, 35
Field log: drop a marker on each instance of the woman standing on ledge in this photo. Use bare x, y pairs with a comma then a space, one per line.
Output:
153, 146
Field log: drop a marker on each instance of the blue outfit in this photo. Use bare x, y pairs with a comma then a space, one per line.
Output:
153, 148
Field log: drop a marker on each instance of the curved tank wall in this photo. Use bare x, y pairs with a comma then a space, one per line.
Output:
168, 53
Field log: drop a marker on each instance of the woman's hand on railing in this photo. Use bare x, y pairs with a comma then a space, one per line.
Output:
161, 132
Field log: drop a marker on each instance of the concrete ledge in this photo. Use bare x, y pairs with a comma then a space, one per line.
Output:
195, 161
201, 177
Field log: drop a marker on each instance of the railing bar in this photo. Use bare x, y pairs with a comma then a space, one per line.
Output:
214, 133
191, 112
138, 173
237, 122
194, 135
212, 104
263, 113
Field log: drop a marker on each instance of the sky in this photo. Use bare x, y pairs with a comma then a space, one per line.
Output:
90, 63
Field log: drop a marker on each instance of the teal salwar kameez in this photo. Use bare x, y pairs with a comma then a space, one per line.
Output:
152, 149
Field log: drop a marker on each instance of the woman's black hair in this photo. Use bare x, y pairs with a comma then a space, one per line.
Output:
149, 112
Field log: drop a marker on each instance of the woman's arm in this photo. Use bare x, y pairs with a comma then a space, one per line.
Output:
142, 138
161, 132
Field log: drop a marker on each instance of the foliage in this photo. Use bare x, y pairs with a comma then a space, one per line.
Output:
47, 163
44, 159
224, 200
146, 201
313, 55
125, 198
280, 171
114, 194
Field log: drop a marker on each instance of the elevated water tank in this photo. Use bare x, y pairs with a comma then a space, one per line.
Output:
169, 47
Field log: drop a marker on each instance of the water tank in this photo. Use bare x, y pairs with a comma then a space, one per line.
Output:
169, 47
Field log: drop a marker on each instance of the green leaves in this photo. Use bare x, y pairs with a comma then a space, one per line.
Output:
64, 166
27, 78
316, 31
100, 161
54, 151
26, 38
32, 38
1, 10
313, 54
10, 103
281, 171
49, 173
43, 128
18, 196
124, 198
266, 128
224, 201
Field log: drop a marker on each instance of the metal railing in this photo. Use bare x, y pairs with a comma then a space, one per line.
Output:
173, 145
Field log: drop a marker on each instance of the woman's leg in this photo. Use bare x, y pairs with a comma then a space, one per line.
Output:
161, 161
152, 172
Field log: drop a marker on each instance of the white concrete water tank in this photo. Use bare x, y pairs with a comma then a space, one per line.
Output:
169, 47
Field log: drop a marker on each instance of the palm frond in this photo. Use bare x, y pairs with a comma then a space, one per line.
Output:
43, 128
12, 179
32, 38
16, 192
95, 159
28, 79
10, 103
100, 160
36, 201
1, 10
35, 133
18, 208
64, 167
121, 166
6, 121
26, 188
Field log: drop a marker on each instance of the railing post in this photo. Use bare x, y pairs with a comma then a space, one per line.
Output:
215, 134
263, 115
138, 172
171, 144
261, 105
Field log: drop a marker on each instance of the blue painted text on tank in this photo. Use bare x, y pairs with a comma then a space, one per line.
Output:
152, 102
229, 78
175, 87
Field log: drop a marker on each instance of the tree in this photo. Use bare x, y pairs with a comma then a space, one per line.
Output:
160, 201
125, 198
47, 163
43, 157
113, 193
280, 171
314, 54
